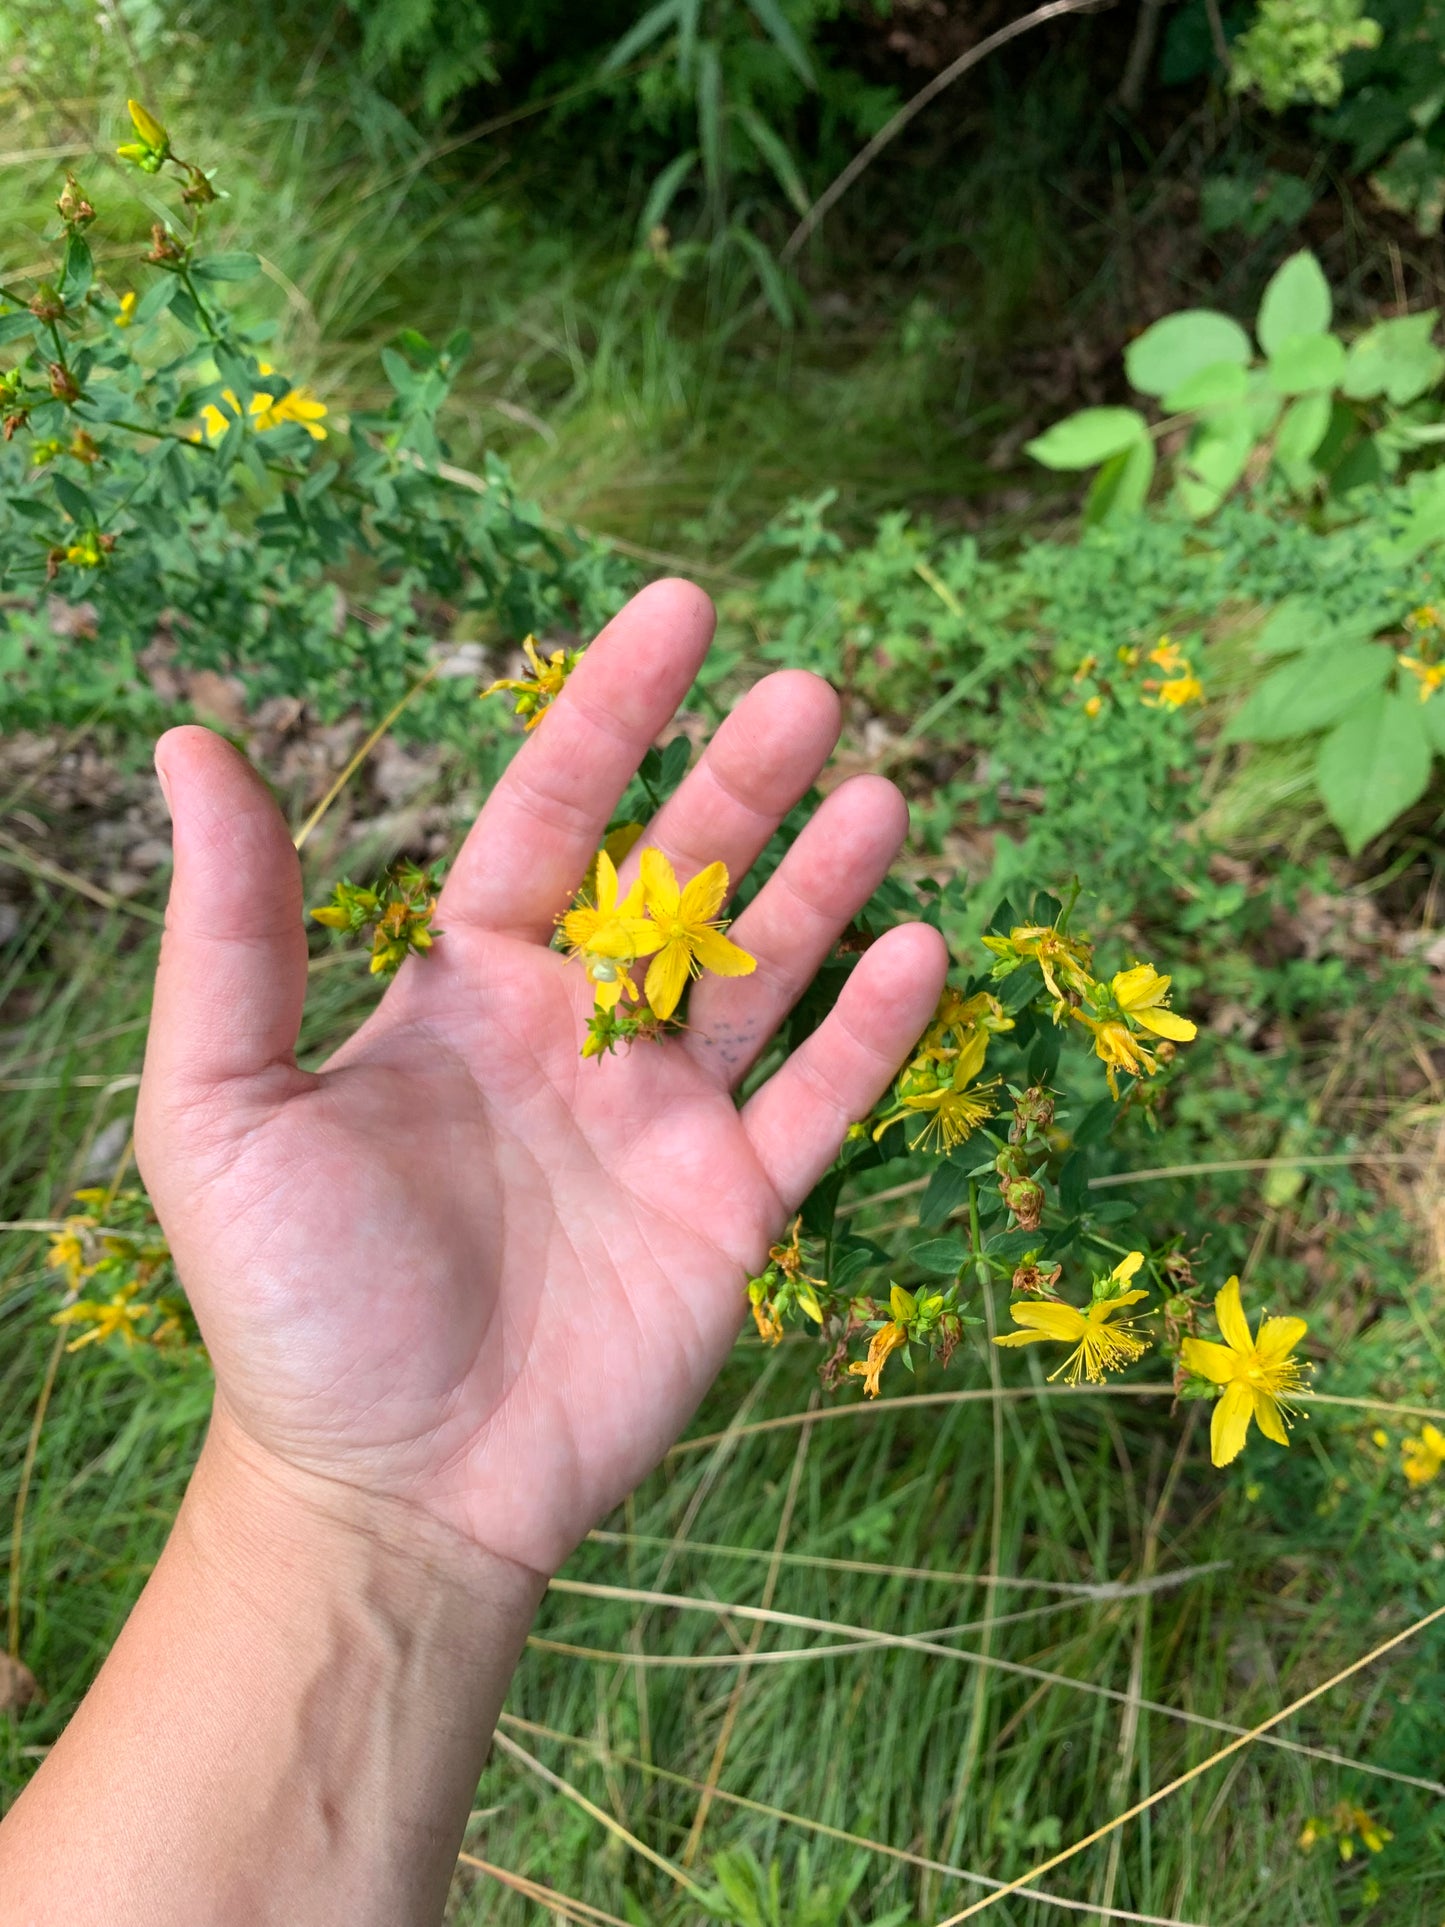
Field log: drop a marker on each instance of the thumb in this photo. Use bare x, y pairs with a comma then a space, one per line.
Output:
232, 976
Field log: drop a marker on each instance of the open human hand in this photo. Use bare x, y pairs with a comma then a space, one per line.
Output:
460, 1267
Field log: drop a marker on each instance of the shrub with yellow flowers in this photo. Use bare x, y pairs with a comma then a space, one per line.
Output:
166, 471
991, 1103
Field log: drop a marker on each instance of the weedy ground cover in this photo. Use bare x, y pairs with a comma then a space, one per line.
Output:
838, 1659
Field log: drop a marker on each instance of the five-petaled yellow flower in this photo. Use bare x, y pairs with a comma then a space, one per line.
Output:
1258, 1375
1100, 1344
610, 936
689, 936
1421, 1458
884, 1342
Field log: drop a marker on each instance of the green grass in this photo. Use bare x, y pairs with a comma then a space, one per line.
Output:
621, 404
1294, 1567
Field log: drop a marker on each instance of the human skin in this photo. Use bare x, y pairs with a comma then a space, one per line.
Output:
461, 1290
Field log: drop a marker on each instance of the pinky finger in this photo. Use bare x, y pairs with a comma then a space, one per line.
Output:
798, 1120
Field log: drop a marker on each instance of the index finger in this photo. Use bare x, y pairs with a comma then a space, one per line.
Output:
539, 829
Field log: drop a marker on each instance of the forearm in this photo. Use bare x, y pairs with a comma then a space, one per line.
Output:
289, 1728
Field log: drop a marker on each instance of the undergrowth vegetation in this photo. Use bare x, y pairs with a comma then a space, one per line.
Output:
401, 415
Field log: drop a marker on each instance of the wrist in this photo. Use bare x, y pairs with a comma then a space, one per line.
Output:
269, 1528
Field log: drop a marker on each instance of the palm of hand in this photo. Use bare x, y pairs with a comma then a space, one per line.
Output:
463, 1266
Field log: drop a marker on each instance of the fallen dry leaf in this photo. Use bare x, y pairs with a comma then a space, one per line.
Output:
18, 1685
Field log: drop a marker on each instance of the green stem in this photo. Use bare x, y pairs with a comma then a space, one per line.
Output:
981, 1269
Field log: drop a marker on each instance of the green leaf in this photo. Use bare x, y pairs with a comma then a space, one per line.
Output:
784, 36
1182, 346
940, 1255
1374, 765
1296, 302
653, 24
1397, 359
1121, 488
78, 271
1304, 364
1300, 623
76, 503
1311, 692
664, 190
226, 267
1432, 718
710, 117
1216, 386
1214, 459
945, 1192
13, 327
1092, 435
775, 153
156, 299
1300, 434
770, 276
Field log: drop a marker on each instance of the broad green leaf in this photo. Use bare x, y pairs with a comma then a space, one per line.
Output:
1296, 302
946, 1191
13, 327
1300, 623
1305, 364
1373, 765
1424, 523
1181, 346
1216, 386
1311, 692
1397, 359
1432, 715
1120, 489
226, 267
1300, 434
1214, 459
1092, 435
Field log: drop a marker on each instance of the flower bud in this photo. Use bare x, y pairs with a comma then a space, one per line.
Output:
1024, 1197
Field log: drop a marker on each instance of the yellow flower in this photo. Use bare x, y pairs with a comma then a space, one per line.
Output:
1258, 1374
610, 936
296, 405
1178, 691
1100, 1345
126, 312
537, 691
1057, 957
117, 1316
154, 145
1169, 657
67, 1251
690, 935
884, 1342
1141, 993
1380, 1437
1086, 668
1094, 707
1421, 1458
1139, 996
953, 1113
1430, 675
